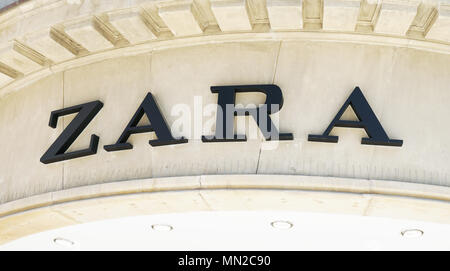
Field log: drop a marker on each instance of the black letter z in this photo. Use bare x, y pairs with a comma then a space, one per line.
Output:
87, 112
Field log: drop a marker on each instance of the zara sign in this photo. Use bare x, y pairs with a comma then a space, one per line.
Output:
224, 123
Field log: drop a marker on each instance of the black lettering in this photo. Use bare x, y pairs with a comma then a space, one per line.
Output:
86, 112
226, 105
367, 120
157, 125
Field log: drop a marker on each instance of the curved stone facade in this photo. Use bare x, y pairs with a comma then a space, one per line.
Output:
58, 54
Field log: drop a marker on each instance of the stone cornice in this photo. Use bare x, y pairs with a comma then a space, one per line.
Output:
322, 194
51, 35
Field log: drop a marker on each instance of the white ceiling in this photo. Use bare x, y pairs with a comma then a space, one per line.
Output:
244, 230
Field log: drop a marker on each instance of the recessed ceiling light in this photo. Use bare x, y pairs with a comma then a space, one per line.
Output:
63, 242
284, 225
412, 233
162, 227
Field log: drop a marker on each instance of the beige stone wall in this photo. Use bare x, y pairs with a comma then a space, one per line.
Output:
406, 88
59, 54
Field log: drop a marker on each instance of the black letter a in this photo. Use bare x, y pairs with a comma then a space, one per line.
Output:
157, 125
367, 120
